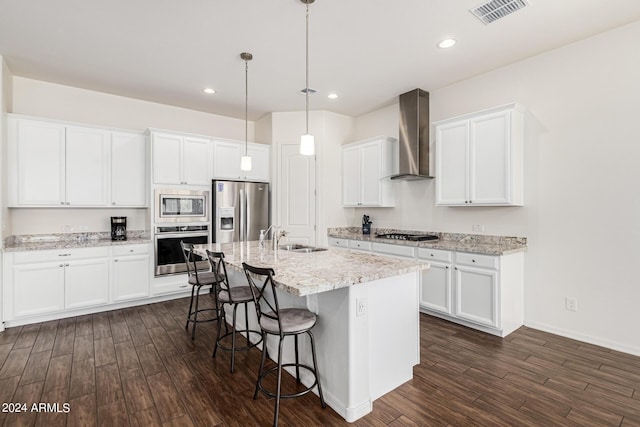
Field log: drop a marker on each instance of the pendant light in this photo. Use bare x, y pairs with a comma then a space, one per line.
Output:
245, 161
307, 144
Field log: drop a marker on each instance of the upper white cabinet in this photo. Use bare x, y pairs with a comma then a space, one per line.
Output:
226, 161
55, 164
128, 169
180, 159
479, 158
366, 168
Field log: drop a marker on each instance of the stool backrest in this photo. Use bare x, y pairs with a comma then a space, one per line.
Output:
264, 292
219, 268
189, 259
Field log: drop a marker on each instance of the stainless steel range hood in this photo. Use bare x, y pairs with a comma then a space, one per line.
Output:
414, 136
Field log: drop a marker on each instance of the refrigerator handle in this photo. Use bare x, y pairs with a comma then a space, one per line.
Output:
242, 202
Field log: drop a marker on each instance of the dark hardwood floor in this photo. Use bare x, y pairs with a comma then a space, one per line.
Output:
139, 367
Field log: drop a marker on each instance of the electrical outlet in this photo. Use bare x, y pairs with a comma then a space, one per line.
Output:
571, 303
361, 307
83, 228
67, 228
478, 228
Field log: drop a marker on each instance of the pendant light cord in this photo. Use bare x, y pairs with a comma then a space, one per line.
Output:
307, 73
246, 104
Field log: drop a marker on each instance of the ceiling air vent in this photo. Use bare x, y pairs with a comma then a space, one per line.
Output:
496, 9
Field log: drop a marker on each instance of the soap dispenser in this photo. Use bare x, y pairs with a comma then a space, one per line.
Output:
261, 239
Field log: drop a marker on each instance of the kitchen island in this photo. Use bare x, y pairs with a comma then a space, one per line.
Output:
367, 334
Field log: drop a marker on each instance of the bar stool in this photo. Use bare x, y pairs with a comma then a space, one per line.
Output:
281, 322
198, 280
234, 296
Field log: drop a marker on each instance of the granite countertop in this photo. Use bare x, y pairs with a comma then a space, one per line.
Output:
70, 241
311, 273
471, 243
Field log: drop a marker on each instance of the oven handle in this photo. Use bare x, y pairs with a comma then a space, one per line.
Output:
179, 235
243, 208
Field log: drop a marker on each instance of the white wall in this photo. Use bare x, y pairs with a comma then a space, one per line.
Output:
330, 131
5, 102
581, 181
48, 100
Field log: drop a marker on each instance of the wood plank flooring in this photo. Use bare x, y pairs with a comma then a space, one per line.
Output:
139, 367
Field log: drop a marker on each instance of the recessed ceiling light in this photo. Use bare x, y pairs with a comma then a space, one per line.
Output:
332, 96
209, 91
446, 43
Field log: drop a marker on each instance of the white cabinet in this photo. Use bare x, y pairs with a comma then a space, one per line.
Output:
180, 159
366, 168
436, 286
479, 158
476, 289
86, 165
57, 164
226, 161
128, 169
43, 282
86, 282
130, 272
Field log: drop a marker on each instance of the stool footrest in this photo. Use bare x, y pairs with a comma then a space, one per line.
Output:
246, 347
274, 369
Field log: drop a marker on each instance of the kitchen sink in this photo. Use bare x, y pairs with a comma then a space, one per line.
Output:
297, 247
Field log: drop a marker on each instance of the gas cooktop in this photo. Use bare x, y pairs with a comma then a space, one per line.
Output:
405, 236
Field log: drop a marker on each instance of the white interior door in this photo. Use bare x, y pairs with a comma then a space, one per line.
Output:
297, 208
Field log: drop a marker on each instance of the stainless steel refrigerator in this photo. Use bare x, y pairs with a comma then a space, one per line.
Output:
239, 210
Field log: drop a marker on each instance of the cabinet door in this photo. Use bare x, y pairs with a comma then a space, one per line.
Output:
489, 164
260, 165
351, 176
435, 288
371, 165
40, 163
226, 160
195, 161
452, 163
86, 282
87, 165
38, 288
167, 158
477, 295
130, 277
128, 169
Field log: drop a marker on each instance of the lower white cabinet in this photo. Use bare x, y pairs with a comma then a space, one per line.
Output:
130, 272
484, 292
38, 283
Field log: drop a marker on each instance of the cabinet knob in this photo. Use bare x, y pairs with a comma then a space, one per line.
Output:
61, 265
62, 203
66, 265
473, 260
115, 260
113, 203
130, 250
446, 267
431, 254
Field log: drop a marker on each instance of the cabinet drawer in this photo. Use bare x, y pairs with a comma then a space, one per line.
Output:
59, 254
434, 254
359, 244
120, 250
486, 261
399, 250
341, 243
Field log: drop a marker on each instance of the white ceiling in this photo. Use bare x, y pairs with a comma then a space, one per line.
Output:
367, 51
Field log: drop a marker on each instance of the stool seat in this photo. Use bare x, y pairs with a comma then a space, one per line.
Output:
203, 278
237, 294
293, 320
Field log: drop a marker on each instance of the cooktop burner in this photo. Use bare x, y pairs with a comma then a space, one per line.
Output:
405, 236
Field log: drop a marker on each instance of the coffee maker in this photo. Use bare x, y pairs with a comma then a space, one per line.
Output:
118, 228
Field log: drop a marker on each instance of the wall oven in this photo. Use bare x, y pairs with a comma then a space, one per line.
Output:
168, 253
174, 205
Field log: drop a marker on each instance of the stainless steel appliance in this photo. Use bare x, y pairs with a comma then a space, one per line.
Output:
406, 236
174, 205
240, 210
169, 258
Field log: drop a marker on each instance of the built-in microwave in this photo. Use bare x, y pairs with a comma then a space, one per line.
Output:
173, 205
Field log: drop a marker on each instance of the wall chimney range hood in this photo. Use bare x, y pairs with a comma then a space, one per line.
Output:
414, 136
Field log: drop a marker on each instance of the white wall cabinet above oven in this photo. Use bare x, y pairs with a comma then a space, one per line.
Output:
180, 159
479, 158
366, 167
62, 165
226, 160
